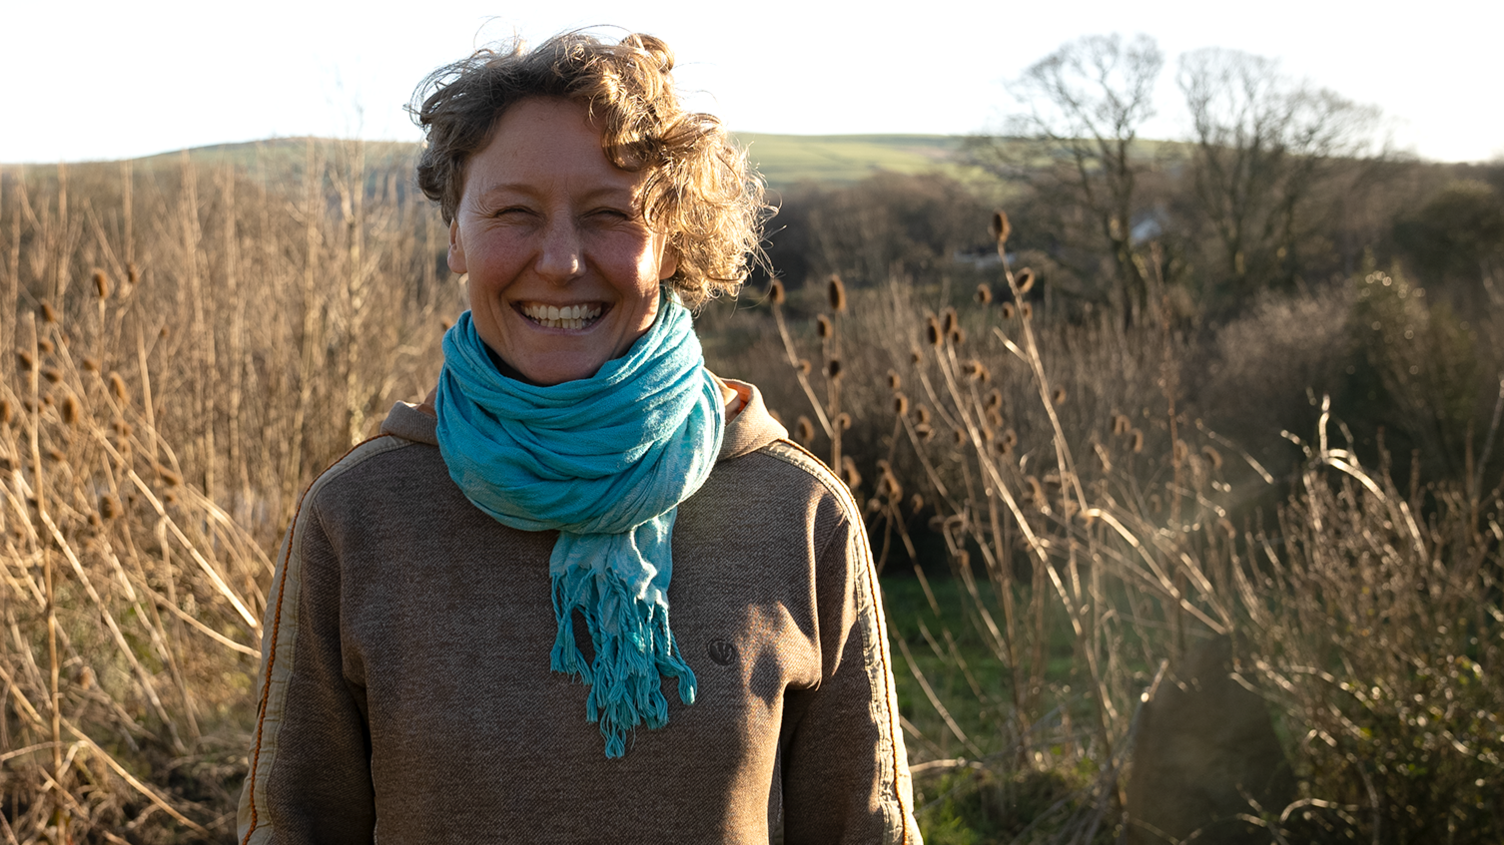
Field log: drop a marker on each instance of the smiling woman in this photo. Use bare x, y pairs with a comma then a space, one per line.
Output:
575, 470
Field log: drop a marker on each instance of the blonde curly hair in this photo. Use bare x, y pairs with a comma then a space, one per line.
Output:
699, 188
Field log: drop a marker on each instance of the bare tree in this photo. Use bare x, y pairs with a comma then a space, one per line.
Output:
1076, 147
1263, 145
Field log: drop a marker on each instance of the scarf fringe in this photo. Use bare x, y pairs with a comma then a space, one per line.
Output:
633, 648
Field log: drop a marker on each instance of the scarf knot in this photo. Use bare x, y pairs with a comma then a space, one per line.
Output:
605, 461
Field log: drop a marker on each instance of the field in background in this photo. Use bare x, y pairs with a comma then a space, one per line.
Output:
1064, 507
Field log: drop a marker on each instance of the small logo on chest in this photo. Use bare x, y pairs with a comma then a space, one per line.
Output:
721, 652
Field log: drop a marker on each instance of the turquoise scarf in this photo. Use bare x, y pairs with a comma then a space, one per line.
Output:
605, 461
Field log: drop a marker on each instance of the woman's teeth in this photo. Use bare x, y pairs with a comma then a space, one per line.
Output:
568, 317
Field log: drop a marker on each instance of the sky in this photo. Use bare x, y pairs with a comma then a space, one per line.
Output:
94, 80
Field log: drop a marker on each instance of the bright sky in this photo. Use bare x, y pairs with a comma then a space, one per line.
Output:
104, 80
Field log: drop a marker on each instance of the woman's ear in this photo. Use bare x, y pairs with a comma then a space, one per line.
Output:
456, 248
668, 265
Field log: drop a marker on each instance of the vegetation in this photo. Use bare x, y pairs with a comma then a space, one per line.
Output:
1077, 473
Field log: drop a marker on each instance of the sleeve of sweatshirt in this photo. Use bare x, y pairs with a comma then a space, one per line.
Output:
845, 770
309, 779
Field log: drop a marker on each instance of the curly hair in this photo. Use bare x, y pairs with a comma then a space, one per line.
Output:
698, 188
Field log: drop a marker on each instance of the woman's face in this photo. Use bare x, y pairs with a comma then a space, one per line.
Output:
564, 272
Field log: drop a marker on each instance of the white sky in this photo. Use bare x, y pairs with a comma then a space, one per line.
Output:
106, 80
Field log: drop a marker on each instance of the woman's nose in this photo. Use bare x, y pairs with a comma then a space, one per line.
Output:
560, 260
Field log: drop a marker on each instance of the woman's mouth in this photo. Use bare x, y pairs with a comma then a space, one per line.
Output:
561, 317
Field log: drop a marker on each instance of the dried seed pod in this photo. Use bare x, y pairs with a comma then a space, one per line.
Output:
1213, 457
916, 504
55, 454
1137, 441
1025, 279
163, 333
70, 410
1057, 397
1026, 310
984, 294
994, 399
915, 356
44, 346
999, 228
24, 361
170, 478
824, 327
101, 284
1008, 310
948, 319
833, 369
957, 336
1010, 439
836, 290
1036, 491
922, 414
49, 314
895, 381
775, 292
117, 387
842, 421
109, 506
1121, 424
1182, 451
804, 366
91, 364
121, 427
52, 374
994, 419
932, 332
131, 276
5, 411
900, 404
804, 430
925, 431
959, 437
849, 473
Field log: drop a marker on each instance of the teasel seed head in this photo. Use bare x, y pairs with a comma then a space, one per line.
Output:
109, 506
804, 430
959, 437
1137, 441
1057, 397
131, 276
994, 400
804, 366
24, 361
44, 346
1007, 310
70, 410
1025, 280
91, 364
975, 370
1213, 457
121, 427
984, 294
5, 411
833, 369
52, 374
101, 283
842, 421
921, 414
1025, 310
824, 327
994, 419
849, 473
999, 228
948, 320
895, 381
932, 333
117, 387
1121, 424
957, 336
836, 289
776, 293
900, 404
925, 431
170, 478
915, 356
49, 314
1010, 439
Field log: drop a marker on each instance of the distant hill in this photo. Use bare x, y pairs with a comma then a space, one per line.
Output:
784, 160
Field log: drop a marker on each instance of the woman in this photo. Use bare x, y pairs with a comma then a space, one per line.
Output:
446, 583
